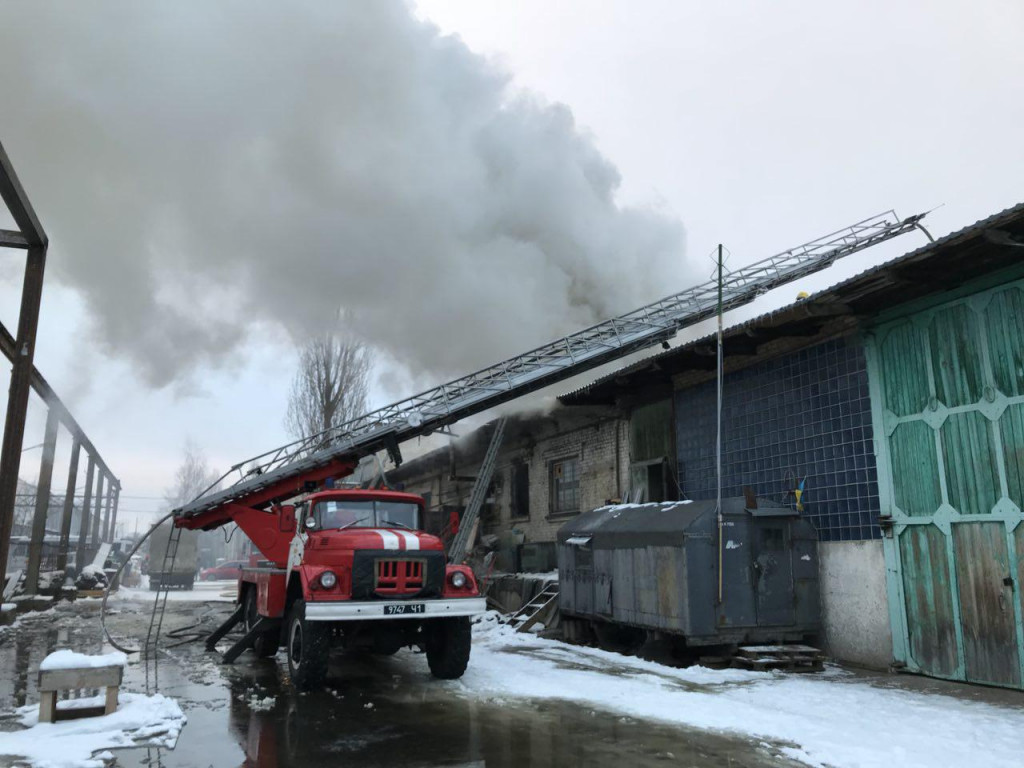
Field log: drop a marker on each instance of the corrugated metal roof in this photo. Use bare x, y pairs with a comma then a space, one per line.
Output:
864, 279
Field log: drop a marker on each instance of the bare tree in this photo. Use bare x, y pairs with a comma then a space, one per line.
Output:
191, 478
330, 385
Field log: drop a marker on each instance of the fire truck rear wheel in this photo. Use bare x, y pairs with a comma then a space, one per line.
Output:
308, 644
447, 642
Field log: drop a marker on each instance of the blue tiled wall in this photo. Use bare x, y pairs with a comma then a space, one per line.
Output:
805, 414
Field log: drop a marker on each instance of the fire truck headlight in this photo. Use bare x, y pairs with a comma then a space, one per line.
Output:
458, 579
328, 579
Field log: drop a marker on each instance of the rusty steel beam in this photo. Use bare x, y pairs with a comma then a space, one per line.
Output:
42, 388
109, 503
24, 347
35, 547
17, 399
69, 506
113, 517
83, 528
11, 239
18, 204
94, 538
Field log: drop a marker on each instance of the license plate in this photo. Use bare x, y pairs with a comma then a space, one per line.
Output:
402, 608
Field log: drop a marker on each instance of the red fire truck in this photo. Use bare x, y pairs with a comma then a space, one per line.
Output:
347, 567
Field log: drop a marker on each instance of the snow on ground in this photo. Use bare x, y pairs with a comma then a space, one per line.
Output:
832, 719
67, 659
140, 720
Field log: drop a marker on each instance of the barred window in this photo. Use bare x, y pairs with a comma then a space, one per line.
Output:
565, 486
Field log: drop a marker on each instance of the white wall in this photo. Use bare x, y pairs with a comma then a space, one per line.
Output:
854, 602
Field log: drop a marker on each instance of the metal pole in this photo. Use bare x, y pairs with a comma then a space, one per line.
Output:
35, 547
25, 347
83, 528
94, 538
69, 506
718, 438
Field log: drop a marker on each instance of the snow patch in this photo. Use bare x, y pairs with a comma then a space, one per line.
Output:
806, 557
140, 721
833, 719
257, 704
730, 544
66, 659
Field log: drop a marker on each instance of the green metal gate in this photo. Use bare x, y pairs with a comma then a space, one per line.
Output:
947, 392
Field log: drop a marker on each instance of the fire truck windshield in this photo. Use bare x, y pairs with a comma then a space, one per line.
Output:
366, 514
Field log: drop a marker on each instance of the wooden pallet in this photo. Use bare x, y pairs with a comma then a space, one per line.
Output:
788, 658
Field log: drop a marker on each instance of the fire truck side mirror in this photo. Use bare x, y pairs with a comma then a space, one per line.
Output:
311, 522
288, 519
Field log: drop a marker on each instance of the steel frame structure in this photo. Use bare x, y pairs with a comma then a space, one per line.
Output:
568, 356
20, 351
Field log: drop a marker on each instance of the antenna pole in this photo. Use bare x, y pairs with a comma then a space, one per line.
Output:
718, 435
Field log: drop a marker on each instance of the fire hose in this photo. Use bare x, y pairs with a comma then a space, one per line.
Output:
182, 634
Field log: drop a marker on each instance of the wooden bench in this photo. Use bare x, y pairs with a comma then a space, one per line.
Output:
53, 681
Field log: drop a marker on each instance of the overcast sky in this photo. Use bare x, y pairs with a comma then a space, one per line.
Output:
219, 179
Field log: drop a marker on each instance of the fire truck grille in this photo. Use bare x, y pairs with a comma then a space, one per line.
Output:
387, 574
399, 577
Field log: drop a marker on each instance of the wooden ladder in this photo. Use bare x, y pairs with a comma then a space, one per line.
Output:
532, 611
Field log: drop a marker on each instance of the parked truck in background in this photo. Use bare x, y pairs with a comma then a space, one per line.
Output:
179, 574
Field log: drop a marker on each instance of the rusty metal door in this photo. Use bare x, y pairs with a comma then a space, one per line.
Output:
773, 574
947, 392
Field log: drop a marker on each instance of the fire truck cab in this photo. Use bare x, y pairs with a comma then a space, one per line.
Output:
359, 573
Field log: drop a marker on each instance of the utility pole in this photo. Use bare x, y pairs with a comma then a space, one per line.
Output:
31, 237
718, 430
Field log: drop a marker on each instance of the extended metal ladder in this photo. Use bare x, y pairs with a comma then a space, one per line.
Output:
467, 526
535, 609
156, 617
443, 405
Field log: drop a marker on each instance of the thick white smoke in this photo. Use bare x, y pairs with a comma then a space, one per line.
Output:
207, 167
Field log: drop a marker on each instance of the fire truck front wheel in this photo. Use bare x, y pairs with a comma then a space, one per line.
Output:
308, 647
447, 642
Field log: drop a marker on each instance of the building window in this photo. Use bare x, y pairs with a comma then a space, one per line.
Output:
520, 490
565, 486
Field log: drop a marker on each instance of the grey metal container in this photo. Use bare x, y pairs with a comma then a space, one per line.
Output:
655, 566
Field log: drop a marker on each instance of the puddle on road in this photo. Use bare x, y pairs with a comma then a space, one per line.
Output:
375, 712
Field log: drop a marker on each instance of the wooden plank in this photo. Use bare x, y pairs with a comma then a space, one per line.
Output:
12, 584
70, 679
111, 701
766, 649
47, 706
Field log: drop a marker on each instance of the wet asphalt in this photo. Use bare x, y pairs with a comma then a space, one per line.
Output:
375, 711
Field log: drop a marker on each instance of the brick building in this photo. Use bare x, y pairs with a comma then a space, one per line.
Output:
551, 467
